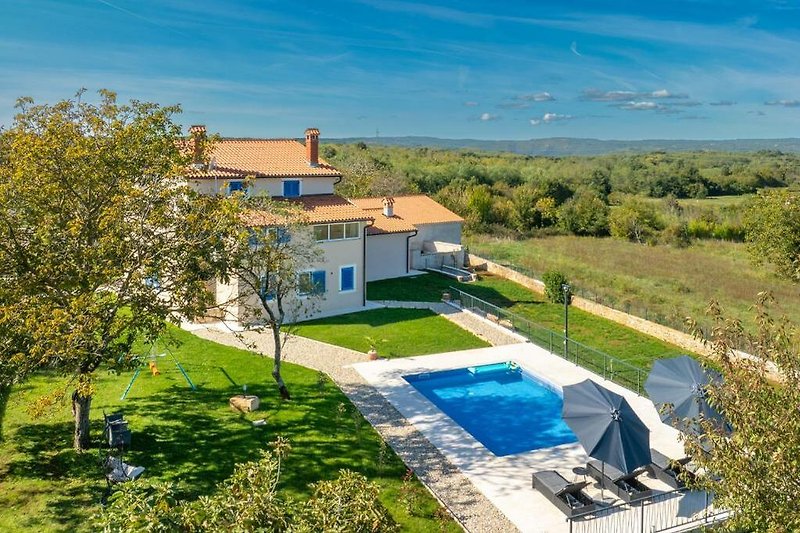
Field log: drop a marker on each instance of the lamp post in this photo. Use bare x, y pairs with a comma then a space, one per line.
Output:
565, 287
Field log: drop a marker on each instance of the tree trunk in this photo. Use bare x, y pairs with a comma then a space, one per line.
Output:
80, 411
276, 369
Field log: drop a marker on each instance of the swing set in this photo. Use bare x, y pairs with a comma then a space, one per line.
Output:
151, 357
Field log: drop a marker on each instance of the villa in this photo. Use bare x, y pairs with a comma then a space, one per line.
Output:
362, 240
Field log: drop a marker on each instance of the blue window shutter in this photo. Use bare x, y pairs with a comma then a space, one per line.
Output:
348, 275
291, 188
235, 186
283, 236
318, 281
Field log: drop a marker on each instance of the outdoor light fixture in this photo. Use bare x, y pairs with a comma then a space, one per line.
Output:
566, 288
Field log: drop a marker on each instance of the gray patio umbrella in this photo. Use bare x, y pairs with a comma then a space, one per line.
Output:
681, 382
606, 426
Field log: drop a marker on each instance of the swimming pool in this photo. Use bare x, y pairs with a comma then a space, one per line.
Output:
505, 408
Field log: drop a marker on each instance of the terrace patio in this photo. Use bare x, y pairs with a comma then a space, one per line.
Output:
506, 481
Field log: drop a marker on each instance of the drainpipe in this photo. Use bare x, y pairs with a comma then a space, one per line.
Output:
408, 250
371, 222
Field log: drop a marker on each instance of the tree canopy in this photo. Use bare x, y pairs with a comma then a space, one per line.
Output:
100, 239
753, 470
772, 224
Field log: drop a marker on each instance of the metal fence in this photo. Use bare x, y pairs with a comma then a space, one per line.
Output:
673, 320
677, 510
611, 368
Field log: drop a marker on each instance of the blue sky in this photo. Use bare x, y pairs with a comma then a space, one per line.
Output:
697, 69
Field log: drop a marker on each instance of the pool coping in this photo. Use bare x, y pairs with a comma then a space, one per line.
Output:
505, 481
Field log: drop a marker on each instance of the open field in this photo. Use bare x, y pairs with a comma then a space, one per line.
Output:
616, 340
667, 282
398, 332
192, 438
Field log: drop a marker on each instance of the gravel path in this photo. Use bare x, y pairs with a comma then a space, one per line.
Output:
471, 508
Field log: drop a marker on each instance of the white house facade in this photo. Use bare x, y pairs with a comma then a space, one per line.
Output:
361, 240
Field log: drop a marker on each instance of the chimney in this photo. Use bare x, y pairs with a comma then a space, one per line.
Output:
312, 146
388, 206
197, 134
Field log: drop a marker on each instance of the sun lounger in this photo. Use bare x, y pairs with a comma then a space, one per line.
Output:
568, 497
673, 472
626, 486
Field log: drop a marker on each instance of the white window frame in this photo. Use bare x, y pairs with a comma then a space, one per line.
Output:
355, 278
344, 231
299, 187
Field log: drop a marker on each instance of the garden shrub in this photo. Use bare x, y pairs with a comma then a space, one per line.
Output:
553, 283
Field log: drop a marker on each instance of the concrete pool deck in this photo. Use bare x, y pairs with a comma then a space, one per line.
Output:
506, 481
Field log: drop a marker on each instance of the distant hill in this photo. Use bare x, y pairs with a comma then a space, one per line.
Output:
563, 146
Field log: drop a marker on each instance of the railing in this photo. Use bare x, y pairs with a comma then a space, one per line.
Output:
677, 510
611, 368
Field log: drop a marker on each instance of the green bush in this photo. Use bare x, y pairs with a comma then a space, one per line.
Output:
553, 286
348, 503
249, 501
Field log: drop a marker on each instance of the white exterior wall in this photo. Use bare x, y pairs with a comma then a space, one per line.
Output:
336, 254
386, 256
445, 232
267, 186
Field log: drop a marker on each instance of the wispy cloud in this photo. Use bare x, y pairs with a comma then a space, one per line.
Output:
574, 49
596, 95
543, 96
723, 103
784, 103
549, 118
514, 105
487, 117
470, 103
693, 117
640, 106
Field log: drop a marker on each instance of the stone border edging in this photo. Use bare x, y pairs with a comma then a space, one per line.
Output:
663, 333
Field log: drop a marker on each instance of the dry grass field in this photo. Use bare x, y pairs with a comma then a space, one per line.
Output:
669, 283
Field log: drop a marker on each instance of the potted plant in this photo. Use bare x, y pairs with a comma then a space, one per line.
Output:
373, 347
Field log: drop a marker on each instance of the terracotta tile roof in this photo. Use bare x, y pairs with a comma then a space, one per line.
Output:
409, 212
317, 209
239, 158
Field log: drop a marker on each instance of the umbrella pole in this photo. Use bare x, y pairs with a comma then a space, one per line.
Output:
602, 481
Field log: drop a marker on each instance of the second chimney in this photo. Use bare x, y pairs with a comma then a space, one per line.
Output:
197, 136
388, 206
312, 146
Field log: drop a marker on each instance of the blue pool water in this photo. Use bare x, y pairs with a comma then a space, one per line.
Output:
505, 408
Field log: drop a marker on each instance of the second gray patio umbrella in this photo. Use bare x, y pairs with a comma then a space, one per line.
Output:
606, 426
681, 383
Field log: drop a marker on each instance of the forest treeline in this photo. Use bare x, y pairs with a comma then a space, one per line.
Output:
631, 196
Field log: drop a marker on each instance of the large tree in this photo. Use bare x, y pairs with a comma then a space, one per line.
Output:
100, 239
271, 250
772, 228
753, 470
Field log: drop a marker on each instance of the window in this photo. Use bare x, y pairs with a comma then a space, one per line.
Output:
266, 286
279, 235
321, 232
311, 282
347, 278
351, 230
337, 232
291, 188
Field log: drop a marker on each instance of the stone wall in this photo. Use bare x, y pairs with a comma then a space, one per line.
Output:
672, 336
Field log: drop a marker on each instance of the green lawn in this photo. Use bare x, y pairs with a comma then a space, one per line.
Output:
399, 332
616, 340
190, 438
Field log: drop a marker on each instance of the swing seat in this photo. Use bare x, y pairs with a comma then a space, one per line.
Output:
153, 368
